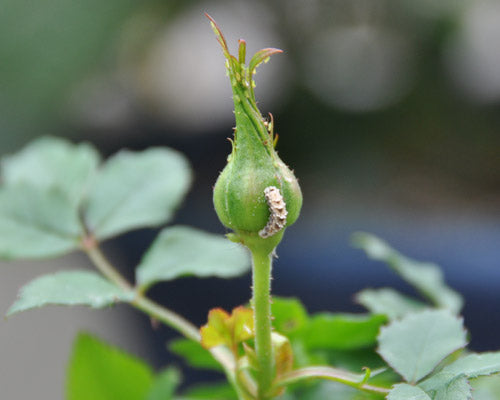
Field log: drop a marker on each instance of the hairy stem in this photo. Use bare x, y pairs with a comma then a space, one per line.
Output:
261, 302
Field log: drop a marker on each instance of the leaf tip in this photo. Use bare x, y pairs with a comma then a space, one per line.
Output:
218, 34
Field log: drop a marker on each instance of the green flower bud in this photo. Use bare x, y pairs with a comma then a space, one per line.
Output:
256, 195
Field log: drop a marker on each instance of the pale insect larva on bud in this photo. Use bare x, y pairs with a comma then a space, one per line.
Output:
277, 208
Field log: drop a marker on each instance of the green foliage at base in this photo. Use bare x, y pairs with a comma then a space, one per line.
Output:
99, 371
56, 197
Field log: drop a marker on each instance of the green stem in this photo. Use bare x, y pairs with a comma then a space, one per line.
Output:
151, 308
104, 266
261, 302
190, 331
167, 316
163, 314
333, 374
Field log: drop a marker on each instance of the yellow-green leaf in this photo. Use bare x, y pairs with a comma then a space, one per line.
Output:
216, 332
225, 329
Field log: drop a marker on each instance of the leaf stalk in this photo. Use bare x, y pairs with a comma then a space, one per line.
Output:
155, 310
333, 374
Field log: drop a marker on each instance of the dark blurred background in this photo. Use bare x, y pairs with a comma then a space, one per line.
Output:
387, 110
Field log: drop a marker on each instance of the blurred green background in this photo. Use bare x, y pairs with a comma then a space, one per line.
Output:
388, 110
394, 95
